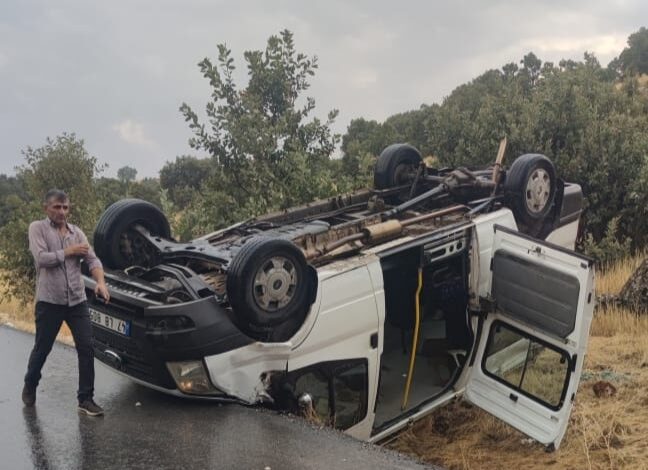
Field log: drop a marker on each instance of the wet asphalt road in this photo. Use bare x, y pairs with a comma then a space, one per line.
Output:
164, 432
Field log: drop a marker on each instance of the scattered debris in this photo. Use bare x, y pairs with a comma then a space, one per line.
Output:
605, 375
611, 376
604, 389
138, 403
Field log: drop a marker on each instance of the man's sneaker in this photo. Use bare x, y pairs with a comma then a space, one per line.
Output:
28, 395
90, 408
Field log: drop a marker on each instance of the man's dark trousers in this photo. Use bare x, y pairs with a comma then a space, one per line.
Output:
49, 318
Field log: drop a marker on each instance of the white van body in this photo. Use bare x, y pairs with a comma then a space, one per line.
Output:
363, 312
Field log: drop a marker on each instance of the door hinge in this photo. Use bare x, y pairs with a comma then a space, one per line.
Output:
373, 340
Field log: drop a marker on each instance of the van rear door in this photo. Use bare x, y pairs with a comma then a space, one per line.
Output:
527, 365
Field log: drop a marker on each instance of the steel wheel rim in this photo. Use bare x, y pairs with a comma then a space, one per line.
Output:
402, 173
275, 283
134, 247
538, 190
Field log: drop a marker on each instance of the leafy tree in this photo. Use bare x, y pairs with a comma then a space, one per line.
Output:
12, 195
61, 163
510, 70
363, 141
593, 128
185, 177
611, 247
147, 189
355, 168
597, 137
368, 136
531, 69
126, 174
64, 163
635, 212
265, 151
109, 190
467, 127
409, 127
634, 58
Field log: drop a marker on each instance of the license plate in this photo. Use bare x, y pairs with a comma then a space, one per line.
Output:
110, 322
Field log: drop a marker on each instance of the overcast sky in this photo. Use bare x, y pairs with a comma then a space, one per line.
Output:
116, 72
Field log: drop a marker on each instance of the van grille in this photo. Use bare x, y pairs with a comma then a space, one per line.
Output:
134, 362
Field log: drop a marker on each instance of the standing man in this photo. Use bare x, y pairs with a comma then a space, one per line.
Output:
58, 249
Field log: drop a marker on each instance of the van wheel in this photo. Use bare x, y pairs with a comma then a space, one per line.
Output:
268, 283
116, 241
530, 187
396, 165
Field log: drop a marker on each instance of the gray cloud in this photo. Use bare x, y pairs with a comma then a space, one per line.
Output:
116, 72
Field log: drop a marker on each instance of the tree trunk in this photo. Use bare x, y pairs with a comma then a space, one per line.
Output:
634, 293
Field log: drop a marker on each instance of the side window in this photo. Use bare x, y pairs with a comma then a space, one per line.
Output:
335, 391
537, 370
316, 385
350, 393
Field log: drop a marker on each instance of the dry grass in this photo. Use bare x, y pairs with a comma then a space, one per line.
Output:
604, 432
20, 316
616, 321
12, 312
614, 276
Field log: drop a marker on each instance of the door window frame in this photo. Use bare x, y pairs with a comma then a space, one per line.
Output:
571, 361
332, 370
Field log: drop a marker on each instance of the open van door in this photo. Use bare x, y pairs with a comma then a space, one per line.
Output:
528, 362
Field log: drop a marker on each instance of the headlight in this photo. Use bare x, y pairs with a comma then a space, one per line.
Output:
191, 377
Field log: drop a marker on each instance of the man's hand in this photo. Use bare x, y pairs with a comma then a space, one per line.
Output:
80, 250
101, 290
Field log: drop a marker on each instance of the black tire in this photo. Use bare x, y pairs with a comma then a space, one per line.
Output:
530, 187
396, 165
116, 224
268, 284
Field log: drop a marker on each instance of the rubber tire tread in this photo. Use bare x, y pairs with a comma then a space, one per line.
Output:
102, 225
239, 278
114, 215
515, 186
388, 161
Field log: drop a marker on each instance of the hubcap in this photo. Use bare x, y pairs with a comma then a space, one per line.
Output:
275, 283
538, 190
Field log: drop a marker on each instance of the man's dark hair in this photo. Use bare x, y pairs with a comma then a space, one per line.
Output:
55, 195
